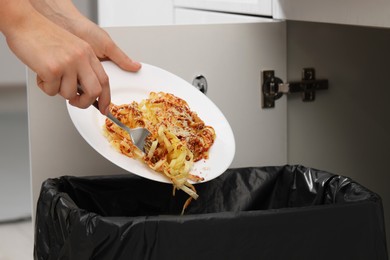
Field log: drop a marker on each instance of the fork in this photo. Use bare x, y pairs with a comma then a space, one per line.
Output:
138, 135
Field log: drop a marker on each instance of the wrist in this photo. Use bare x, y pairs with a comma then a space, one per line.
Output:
61, 12
15, 15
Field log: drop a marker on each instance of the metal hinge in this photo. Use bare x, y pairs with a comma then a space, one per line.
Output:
273, 87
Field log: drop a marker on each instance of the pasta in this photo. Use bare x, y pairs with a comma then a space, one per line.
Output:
178, 137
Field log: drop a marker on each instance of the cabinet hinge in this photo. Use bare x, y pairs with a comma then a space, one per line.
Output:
273, 87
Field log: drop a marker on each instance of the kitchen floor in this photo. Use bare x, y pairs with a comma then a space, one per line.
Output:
16, 240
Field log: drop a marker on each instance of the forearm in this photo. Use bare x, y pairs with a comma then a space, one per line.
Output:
14, 15
61, 12
60, 59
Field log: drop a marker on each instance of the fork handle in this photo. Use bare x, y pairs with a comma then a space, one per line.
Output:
96, 104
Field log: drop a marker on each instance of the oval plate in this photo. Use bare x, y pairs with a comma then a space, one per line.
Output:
127, 87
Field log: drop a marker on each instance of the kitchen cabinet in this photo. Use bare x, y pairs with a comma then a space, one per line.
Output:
253, 7
191, 16
233, 72
344, 131
154, 12
145, 12
373, 13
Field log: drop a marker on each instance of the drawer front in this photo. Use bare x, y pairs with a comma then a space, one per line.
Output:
255, 7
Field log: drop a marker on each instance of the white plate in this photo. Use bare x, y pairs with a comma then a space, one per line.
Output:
127, 87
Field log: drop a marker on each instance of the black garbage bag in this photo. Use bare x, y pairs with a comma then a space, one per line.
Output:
286, 212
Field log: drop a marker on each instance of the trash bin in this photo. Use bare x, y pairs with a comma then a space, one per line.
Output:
282, 212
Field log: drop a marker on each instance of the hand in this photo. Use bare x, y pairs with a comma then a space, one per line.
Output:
104, 47
66, 15
59, 58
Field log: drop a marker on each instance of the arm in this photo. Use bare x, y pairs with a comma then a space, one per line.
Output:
66, 15
59, 58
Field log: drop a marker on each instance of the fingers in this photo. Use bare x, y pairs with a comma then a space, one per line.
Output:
61, 60
68, 87
115, 54
95, 84
51, 87
105, 94
88, 72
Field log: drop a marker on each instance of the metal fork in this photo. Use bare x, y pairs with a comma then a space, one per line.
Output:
138, 135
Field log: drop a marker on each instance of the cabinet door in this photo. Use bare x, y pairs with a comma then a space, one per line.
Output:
145, 12
354, 12
230, 56
194, 16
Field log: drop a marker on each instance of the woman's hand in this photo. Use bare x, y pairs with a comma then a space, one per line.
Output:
63, 47
66, 15
60, 59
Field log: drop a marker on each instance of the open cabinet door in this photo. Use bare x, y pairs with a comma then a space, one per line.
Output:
230, 56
